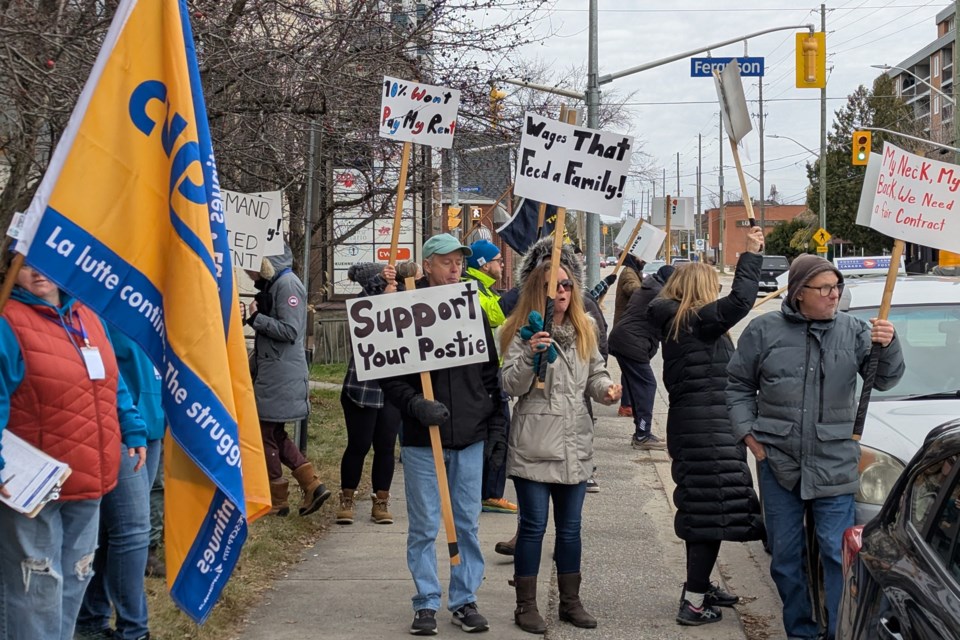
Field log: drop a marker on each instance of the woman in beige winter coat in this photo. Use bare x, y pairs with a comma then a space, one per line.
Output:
551, 437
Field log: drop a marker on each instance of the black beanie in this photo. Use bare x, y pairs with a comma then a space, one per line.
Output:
804, 268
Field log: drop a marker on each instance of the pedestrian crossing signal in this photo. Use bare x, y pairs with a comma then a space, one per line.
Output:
861, 147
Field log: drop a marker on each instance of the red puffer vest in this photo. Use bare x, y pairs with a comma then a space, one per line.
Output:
58, 408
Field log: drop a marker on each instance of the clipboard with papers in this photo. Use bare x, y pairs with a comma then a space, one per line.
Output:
32, 477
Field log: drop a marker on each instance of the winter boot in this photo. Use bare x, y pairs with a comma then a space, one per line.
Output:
279, 490
571, 609
345, 513
380, 512
526, 615
314, 491
507, 547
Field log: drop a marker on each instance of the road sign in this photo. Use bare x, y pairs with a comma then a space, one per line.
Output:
469, 189
750, 67
701, 245
822, 249
821, 237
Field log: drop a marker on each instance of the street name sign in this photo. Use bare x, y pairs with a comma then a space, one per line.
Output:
750, 67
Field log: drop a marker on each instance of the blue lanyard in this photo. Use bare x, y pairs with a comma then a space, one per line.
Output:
71, 331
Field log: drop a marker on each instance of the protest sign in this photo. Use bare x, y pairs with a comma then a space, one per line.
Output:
915, 199
573, 167
647, 244
626, 230
417, 112
254, 226
682, 212
417, 331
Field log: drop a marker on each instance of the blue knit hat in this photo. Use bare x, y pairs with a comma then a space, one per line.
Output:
483, 252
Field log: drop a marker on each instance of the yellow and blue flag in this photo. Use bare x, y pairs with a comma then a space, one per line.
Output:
129, 219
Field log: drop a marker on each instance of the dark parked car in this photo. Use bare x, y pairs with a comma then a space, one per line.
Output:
902, 569
772, 267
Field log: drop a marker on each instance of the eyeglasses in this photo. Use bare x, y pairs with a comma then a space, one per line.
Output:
566, 285
826, 289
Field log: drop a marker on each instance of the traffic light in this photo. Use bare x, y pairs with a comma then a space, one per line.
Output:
811, 58
453, 217
496, 105
861, 147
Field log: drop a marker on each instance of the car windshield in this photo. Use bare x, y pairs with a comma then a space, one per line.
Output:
651, 267
929, 336
775, 262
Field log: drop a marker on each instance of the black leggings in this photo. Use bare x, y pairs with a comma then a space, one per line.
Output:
701, 556
366, 426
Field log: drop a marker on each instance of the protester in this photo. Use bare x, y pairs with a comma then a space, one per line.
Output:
714, 497
124, 541
792, 400
634, 341
471, 393
278, 315
371, 420
485, 267
631, 277
551, 442
61, 391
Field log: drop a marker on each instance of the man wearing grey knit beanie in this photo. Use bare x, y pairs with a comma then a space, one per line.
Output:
791, 399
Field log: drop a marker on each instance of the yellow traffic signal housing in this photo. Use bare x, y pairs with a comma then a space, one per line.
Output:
811, 60
496, 105
861, 147
453, 217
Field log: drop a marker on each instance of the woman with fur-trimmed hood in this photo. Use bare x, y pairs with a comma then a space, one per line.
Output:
550, 448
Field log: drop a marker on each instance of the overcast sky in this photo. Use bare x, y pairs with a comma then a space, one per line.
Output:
670, 108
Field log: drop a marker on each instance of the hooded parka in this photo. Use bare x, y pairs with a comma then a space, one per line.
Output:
715, 499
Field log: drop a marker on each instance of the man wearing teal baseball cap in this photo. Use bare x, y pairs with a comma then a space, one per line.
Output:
467, 411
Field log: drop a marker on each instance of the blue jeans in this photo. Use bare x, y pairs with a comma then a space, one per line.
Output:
642, 384
156, 492
464, 475
121, 558
533, 502
783, 515
45, 565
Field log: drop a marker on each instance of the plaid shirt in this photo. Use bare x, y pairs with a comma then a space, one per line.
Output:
364, 394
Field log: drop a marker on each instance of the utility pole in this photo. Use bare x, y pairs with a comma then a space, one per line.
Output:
823, 133
697, 221
312, 158
455, 192
763, 194
592, 98
956, 79
721, 239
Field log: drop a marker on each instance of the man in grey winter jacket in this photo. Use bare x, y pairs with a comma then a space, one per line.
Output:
278, 315
791, 398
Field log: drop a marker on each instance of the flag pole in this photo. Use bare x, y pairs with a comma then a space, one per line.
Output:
446, 507
10, 279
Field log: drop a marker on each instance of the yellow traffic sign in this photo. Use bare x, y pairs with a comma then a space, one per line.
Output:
822, 249
821, 237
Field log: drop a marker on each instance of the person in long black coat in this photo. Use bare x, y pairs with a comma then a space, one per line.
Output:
714, 497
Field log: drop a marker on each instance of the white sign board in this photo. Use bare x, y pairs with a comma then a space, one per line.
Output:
415, 331
733, 102
629, 224
915, 200
370, 237
573, 167
682, 212
417, 112
648, 243
254, 226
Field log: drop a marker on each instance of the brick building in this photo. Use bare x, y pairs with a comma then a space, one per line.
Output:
736, 226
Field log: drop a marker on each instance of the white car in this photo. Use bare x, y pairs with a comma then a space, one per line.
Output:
926, 314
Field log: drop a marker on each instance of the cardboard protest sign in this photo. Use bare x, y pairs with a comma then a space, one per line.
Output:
626, 229
915, 200
682, 212
417, 112
573, 167
417, 331
254, 226
647, 244
733, 102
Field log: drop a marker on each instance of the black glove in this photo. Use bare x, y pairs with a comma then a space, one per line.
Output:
264, 302
495, 453
428, 412
610, 279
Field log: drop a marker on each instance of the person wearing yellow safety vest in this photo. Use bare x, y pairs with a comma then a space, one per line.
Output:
485, 267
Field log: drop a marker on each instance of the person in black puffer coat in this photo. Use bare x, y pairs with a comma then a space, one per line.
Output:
633, 342
714, 497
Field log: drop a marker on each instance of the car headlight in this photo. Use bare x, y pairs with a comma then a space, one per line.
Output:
878, 473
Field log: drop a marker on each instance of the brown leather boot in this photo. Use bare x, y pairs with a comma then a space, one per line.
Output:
571, 609
279, 490
526, 615
507, 547
380, 512
314, 492
345, 514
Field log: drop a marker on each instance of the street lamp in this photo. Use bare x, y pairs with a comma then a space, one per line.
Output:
773, 135
887, 67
